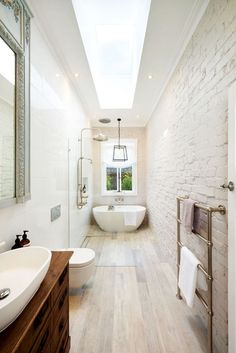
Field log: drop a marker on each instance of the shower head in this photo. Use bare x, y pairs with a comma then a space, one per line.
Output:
100, 137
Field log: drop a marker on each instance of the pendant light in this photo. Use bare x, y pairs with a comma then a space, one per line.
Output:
119, 151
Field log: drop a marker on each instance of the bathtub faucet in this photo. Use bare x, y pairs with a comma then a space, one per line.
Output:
111, 208
119, 199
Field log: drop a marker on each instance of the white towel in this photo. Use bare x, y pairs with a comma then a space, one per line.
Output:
130, 219
189, 275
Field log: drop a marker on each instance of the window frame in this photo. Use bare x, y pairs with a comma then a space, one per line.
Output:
133, 192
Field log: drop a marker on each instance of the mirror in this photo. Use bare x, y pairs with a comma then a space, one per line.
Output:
7, 121
14, 102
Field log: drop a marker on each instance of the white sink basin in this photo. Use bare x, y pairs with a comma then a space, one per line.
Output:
22, 271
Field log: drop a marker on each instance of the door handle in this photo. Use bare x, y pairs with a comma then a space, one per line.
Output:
230, 186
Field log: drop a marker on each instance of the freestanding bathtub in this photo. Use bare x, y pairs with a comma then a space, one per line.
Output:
125, 218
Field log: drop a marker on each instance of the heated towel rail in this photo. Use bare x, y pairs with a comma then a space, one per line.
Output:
207, 272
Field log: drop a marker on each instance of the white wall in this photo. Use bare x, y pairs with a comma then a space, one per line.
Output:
187, 145
56, 118
129, 133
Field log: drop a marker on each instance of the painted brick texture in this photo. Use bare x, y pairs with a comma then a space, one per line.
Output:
187, 146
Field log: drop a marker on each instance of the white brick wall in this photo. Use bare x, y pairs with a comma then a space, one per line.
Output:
187, 145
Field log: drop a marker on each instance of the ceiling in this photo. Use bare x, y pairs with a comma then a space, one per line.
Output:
170, 26
113, 34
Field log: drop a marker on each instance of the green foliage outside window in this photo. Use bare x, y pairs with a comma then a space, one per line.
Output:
109, 182
126, 179
120, 175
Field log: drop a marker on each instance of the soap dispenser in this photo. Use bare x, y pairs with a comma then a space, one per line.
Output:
17, 243
25, 241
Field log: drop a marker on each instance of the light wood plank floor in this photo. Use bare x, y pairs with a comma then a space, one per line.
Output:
129, 306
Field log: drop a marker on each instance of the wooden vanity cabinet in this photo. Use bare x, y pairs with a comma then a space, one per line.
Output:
43, 326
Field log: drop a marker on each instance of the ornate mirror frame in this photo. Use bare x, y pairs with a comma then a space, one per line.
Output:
19, 42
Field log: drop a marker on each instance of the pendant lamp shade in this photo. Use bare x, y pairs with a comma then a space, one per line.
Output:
119, 151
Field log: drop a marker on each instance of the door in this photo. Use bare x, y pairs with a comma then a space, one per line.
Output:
232, 218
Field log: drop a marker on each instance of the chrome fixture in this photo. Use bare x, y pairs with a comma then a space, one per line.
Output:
87, 159
4, 293
100, 137
119, 199
229, 186
82, 197
111, 208
119, 151
104, 120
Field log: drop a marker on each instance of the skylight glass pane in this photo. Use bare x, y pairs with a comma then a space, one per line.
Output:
113, 34
115, 49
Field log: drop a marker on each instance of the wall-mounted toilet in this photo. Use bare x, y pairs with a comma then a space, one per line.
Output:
81, 266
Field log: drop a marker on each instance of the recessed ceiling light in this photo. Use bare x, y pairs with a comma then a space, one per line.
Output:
57, 75
76, 74
150, 77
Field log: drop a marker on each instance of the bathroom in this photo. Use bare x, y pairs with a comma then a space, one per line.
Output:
179, 136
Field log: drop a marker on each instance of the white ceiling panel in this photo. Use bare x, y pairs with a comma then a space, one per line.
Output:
170, 26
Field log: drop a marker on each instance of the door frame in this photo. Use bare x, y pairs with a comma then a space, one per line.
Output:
231, 219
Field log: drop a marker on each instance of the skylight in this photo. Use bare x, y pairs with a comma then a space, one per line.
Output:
113, 33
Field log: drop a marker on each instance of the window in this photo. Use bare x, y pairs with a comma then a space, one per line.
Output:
111, 179
119, 177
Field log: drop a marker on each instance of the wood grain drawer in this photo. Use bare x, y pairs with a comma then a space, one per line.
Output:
61, 283
43, 342
64, 345
35, 328
62, 301
60, 326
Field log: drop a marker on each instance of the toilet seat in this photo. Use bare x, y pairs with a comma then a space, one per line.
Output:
81, 257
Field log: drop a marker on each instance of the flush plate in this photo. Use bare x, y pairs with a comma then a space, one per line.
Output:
55, 212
